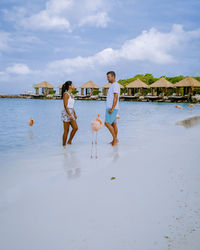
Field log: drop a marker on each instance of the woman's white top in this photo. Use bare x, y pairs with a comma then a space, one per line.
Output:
71, 101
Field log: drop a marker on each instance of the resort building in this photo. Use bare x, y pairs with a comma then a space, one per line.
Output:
88, 88
45, 86
136, 87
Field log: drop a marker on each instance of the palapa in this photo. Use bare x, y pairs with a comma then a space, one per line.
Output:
43, 84
137, 84
188, 82
162, 83
89, 85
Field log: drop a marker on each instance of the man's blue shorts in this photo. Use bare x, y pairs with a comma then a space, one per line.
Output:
111, 118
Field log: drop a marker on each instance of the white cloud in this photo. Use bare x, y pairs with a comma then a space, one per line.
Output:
4, 40
99, 20
44, 20
56, 7
19, 69
151, 46
51, 17
95, 5
62, 15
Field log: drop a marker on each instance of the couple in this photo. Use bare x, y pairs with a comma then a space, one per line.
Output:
112, 105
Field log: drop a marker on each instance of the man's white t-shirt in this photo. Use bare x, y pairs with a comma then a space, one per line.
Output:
114, 88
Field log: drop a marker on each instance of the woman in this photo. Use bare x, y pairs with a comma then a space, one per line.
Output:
68, 114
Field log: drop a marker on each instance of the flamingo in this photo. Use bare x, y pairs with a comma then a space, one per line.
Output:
178, 107
96, 125
191, 105
31, 122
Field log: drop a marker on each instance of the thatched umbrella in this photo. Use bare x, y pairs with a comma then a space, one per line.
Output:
107, 86
189, 83
46, 87
161, 83
137, 84
89, 85
60, 88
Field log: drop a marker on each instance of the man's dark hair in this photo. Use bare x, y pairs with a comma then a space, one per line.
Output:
112, 73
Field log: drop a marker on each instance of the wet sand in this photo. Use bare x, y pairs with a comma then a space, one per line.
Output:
123, 200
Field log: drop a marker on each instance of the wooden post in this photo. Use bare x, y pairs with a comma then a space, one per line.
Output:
189, 91
37, 91
164, 90
82, 91
177, 91
91, 92
129, 92
192, 90
153, 91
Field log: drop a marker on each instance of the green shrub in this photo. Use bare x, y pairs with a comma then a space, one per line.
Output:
74, 92
51, 92
96, 92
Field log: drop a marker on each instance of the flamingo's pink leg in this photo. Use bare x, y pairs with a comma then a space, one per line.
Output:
92, 145
96, 145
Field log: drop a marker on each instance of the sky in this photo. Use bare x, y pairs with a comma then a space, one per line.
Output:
81, 40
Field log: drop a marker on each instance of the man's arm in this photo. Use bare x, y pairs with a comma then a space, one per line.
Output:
115, 99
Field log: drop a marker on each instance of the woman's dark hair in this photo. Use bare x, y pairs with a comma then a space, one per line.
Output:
65, 87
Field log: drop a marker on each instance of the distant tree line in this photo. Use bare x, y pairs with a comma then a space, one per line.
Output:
149, 79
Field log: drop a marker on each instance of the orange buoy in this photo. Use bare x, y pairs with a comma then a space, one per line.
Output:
31, 122
178, 107
191, 105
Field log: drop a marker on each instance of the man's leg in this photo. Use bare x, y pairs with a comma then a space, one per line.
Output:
111, 129
115, 129
113, 133
115, 140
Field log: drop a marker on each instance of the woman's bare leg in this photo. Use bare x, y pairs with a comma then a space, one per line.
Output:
66, 130
73, 132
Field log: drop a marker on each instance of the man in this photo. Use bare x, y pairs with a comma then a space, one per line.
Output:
112, 106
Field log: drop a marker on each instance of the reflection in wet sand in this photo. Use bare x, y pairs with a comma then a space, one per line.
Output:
115, 153
30, 135
190, 122
70, 164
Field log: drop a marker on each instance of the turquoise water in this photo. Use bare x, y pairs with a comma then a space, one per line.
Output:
139, 126
62, 199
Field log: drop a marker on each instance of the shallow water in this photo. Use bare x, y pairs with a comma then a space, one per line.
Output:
55, 198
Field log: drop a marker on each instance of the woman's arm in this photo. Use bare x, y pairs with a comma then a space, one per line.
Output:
75, 115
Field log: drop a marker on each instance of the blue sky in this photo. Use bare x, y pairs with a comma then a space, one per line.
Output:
80, 40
